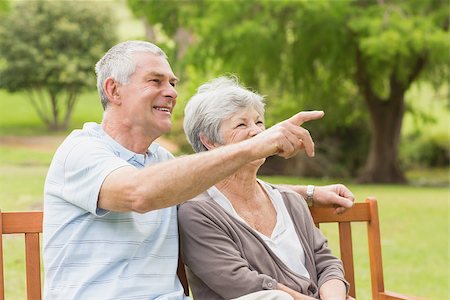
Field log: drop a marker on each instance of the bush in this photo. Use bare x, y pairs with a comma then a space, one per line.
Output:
426, 150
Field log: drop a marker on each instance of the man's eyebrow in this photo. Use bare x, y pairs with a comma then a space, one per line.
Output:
160, 75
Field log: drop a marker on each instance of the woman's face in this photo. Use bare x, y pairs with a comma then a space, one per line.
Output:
241, 126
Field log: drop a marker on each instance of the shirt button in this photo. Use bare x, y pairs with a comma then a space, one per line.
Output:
270, 284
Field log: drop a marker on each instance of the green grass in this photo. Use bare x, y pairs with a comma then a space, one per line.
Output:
414, 227
17, 116
414, 232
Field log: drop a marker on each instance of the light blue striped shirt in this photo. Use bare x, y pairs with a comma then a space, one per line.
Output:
90, 253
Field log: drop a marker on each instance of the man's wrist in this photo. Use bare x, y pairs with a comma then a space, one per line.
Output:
310, 195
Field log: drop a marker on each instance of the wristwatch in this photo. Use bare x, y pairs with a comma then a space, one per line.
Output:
309, 195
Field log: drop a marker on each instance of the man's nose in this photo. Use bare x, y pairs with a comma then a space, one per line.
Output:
170, 91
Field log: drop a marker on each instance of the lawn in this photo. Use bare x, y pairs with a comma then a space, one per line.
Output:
414, 227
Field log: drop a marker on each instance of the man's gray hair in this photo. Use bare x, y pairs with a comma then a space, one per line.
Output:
118, 63
214, 102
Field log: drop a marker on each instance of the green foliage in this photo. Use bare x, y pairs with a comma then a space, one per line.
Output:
425, 138
49, 49
427, 150
4, 7
328, 55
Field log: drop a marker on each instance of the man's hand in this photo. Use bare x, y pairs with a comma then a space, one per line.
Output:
287, 138
337, 195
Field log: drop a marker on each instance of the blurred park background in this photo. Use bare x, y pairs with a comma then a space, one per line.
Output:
379, 70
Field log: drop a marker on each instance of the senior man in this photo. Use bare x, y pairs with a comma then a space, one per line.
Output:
110, 196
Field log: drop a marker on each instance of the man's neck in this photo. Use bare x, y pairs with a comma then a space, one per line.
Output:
132, 138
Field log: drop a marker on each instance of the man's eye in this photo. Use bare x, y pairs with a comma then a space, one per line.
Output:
155, 80
173, 84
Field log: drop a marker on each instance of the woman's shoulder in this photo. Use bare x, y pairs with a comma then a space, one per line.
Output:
199, 202
283, 190
290, 197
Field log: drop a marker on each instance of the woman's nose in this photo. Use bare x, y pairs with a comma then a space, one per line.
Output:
255, 130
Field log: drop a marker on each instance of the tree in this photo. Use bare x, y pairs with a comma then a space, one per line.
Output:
331, 54
48, 49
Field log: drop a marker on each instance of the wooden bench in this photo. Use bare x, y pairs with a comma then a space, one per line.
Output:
30, 225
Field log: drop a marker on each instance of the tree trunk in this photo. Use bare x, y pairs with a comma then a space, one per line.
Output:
386, 117
57, 109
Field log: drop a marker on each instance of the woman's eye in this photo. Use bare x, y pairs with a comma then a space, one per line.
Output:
241, 125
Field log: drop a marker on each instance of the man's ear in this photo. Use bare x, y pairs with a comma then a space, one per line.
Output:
111, 88
206, 142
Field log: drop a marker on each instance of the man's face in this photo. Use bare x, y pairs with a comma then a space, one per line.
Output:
149, 96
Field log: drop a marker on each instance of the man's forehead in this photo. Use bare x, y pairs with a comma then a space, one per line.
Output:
153, 64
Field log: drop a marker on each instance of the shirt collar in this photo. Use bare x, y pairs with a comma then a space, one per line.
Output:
136, 159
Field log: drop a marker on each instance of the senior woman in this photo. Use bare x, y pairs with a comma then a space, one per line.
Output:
244, 238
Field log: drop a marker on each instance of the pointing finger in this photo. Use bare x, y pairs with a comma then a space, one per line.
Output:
305, 116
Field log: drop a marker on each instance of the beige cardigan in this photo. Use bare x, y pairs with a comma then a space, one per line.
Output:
226, 259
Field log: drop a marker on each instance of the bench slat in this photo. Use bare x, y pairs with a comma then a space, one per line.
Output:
22, 222
33, 265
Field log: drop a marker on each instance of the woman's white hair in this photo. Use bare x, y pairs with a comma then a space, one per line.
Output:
214, 102
118, 63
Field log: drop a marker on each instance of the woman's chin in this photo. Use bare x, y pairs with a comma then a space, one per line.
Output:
258, 162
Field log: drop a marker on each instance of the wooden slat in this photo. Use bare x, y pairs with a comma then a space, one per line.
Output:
358, 213
2, 278
22, 222
374, 239
33, 265
396, 296
346, 247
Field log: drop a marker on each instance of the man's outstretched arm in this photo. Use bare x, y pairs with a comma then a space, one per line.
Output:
335, 195
175, 181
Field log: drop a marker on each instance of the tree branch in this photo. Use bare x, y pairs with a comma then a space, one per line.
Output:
418, 67
37, 107
362, 79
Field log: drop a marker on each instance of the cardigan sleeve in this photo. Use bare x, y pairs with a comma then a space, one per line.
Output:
213, 256
327, 266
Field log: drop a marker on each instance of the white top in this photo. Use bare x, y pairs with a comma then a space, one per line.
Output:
284, 241
90, 253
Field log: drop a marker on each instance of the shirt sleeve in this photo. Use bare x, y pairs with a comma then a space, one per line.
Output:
85, 168
213, 256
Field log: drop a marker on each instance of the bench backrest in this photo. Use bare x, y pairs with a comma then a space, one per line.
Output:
30, 225
361, 212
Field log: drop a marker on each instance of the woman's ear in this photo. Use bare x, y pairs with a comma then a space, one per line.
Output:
206, 142
111, 88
